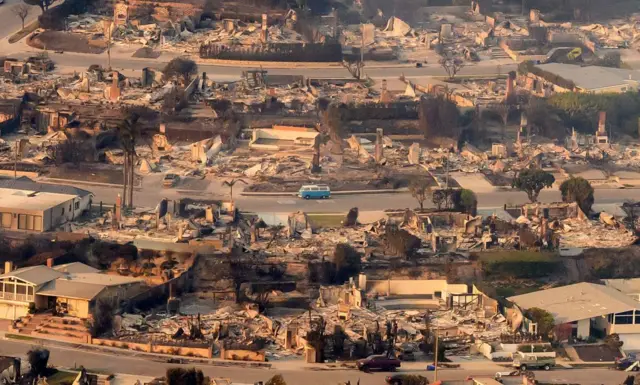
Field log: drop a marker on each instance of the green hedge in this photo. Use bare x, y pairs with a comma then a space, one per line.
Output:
519, 264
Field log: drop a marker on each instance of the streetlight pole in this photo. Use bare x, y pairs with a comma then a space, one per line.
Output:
435, 360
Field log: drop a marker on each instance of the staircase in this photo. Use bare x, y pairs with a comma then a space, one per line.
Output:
34, 322
69, 329
498, 53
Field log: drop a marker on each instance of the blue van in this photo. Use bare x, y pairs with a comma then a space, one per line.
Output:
319, 191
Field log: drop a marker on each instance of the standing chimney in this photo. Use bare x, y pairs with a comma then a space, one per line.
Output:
8, 267
602, 123
264, 33
509, 86
118, 212
379, 151
114, 93
50, 262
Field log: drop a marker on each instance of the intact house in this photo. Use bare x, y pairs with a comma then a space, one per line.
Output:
627, 286
72, 289
588, 309
545, 79
26, 205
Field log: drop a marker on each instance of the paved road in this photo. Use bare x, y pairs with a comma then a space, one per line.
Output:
12, 23
151, 195
74, 61
292, 372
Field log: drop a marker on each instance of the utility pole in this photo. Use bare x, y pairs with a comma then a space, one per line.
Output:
107, 26
435, 360
15, 162
362, 44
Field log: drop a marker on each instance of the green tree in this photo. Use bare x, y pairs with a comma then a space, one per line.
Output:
469, 201
579, 190
543, 318
347, 261
532, 181
420, 189
43, 4
180, 68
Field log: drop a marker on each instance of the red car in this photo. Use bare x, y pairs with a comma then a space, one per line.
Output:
378, 363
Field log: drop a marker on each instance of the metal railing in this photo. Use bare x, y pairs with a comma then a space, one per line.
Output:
16, 297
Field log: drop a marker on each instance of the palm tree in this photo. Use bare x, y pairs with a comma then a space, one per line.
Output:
232, 183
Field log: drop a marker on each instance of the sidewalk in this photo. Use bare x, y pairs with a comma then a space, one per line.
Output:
348, 192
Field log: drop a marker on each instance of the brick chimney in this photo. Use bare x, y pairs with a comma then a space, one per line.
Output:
264, 33
602, 123
118, 212
8, 267
49, 262
114, 93
509, 86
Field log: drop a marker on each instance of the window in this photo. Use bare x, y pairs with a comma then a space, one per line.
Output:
63, 211
22, 221
5, 220
29, 222
625, 318
77, 205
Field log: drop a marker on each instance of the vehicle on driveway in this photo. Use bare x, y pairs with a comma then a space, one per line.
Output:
409, 379
170, 180
378, 362
628, 363
529, 361
316, 191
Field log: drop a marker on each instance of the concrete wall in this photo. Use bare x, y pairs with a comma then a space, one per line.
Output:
413, 287
298, 135
242, 355
584, 328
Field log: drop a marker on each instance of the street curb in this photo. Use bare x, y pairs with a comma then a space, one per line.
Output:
353, 192
26, 31
81, 182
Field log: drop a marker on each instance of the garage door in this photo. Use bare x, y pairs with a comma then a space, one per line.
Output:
12, 312
631, 341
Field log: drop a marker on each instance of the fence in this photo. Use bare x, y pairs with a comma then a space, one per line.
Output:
281, 52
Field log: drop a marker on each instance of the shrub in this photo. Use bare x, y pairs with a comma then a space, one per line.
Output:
38, 360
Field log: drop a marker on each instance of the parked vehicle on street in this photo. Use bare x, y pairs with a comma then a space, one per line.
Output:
524, 361
380, 362
628, 363
170, 180
316, 191
401, 379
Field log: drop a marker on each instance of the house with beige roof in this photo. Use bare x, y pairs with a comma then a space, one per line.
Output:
591, 310
72, 289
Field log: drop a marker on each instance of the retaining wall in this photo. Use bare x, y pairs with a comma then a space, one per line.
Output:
281, 52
